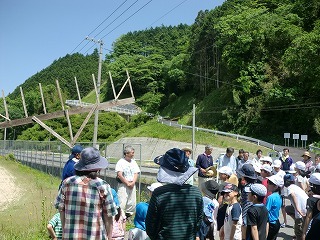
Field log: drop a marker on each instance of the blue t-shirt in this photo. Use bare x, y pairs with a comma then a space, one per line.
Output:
273, 205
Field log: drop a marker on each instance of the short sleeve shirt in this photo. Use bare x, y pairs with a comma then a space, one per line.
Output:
257, 215
128, 168
233, 213
55, 222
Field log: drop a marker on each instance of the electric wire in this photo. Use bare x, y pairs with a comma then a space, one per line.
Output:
168, 12
100, 24
124, 21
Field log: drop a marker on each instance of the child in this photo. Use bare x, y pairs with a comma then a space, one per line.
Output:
281, 173
233, 220
312, 209
210, 210
273, 205
266, 172
119, 221
301, 179
257, 215
298, 199
54, 227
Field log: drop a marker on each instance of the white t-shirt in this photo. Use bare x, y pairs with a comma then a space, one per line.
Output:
303, 181
301, 198
233, 213
128, 168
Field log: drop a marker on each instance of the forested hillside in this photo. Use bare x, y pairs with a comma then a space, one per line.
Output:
250, 66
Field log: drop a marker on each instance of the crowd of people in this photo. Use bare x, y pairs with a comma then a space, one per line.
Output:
233, 197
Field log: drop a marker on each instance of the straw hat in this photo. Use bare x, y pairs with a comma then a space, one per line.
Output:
306, 154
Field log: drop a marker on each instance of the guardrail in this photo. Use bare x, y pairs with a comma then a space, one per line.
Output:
236, 136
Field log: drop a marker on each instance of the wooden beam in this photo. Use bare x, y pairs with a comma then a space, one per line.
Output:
42, 98
72, 111
79, 97
42, 124
24, 103
131, 90
113, 89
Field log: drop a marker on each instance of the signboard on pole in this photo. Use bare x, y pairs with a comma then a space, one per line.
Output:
286, 137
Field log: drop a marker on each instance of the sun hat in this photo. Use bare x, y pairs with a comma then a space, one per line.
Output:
306, 154
292, 168
277, 163
115, 197
247, 170
266, 159
76, 149
300, 165
233, 179
210, 188
90, 159
229, 187
266, 167
153, 186
277, 180
211, 171
174, 167
288, 178
225, 170
315, 178
257, 167
257, 189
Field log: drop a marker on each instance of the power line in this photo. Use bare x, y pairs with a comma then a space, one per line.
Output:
167, 13
124, 21
99, 25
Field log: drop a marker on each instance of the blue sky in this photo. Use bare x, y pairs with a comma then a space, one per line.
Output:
34, 33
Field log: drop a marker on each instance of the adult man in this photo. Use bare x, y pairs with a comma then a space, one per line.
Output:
175, 209
85, 201
228, 160
204, 161
127, 171
188, 152
68, 169
286, 160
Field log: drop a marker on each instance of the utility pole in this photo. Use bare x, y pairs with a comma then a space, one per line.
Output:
96, 114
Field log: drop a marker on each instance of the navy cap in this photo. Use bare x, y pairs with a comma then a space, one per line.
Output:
174, 159
248, 171
288, 177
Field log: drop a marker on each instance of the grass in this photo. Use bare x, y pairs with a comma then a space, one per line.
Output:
27, 218
158, 130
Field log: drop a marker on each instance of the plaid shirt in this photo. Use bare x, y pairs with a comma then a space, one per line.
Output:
83, 200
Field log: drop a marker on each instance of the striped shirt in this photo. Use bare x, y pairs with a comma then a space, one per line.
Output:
55, 222
175, 212
83, 201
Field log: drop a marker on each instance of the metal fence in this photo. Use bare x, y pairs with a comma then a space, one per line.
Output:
50, 156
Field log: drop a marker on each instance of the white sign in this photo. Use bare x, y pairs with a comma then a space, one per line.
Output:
304, 137
286, 135
295, 136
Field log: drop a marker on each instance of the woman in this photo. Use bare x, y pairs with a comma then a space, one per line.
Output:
273, 205
85, 201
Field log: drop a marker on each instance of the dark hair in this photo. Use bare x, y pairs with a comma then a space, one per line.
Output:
249, 180
286, 149
117, 217
241, 150
230, 150
315, 188
259, 150
259, 198
89, 174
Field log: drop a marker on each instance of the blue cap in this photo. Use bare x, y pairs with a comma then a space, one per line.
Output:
76, 149
288, 177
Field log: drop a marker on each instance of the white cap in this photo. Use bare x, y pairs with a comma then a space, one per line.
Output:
292, 168
266, 167
266, 159
277, 180
301, 165
277, 163
153, 186
257, 167
225, 170
315, 178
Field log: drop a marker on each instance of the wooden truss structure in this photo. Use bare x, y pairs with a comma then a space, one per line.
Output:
67, 112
